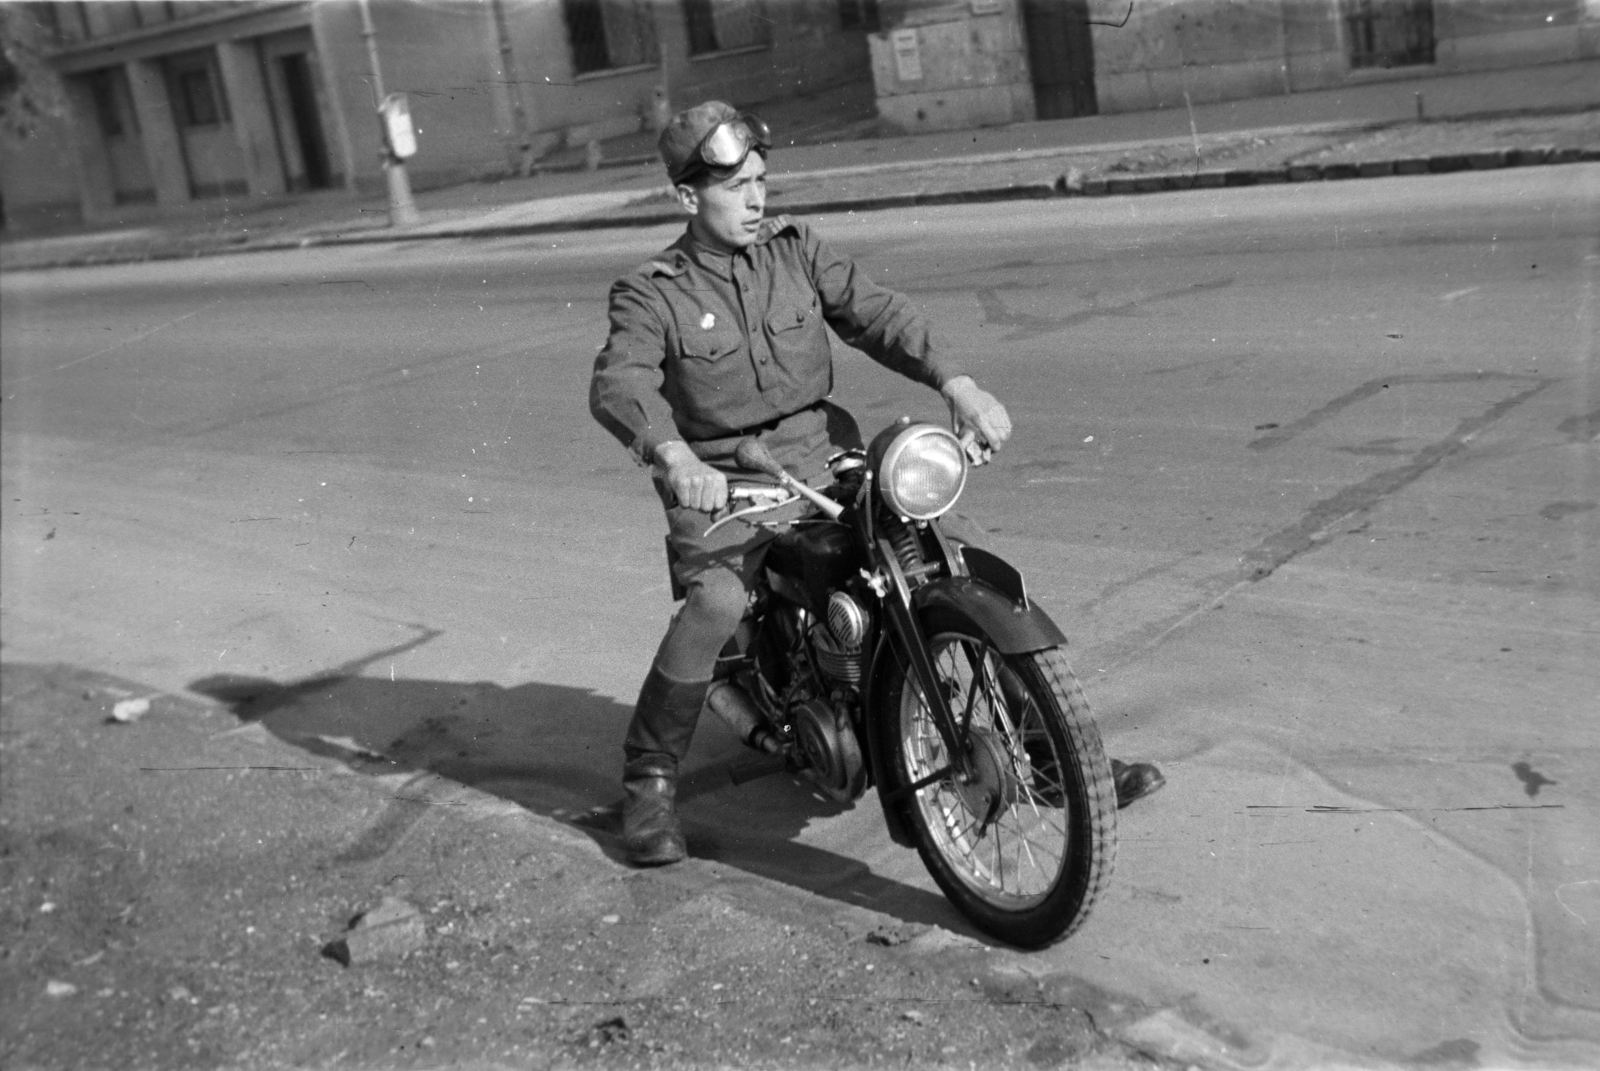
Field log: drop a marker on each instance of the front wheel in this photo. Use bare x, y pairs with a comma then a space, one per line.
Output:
1026, 844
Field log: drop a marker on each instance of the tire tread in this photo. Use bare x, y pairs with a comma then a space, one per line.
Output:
1051, 673
1053, 666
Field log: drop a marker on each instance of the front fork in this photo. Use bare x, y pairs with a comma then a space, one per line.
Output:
896, 601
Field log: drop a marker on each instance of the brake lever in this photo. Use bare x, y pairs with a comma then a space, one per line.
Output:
977, 453
740, 514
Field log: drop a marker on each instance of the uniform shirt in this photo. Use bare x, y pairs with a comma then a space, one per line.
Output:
707, 346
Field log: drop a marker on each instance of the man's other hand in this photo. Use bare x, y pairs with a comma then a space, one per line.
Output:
696, 484
977, 414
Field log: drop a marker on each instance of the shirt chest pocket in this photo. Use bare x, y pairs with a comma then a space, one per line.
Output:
794, 329
697, 344
791, 316
710, 371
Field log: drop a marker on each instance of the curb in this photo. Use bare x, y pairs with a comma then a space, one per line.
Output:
1414, 165
1071, 152
1116, 185
1142, 183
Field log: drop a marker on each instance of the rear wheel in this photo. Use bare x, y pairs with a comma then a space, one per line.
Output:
1025, 845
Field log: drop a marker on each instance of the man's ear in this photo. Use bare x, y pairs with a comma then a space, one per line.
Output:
688, 197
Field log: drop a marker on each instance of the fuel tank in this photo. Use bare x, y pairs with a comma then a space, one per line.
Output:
810, 560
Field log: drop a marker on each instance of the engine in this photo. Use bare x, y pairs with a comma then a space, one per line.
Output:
838, 642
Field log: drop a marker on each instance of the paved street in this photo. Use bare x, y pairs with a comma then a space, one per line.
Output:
1307, 474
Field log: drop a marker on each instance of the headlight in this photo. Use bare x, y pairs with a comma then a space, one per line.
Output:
922, 470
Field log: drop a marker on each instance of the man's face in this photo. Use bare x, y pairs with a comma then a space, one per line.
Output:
727, 214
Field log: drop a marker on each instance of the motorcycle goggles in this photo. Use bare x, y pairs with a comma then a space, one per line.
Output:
725, 148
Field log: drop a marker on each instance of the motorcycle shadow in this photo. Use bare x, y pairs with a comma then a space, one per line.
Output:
556, 751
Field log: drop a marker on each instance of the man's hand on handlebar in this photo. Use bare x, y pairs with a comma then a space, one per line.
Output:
696, 484
981, 422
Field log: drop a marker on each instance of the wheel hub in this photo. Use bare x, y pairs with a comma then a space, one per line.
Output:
993, 784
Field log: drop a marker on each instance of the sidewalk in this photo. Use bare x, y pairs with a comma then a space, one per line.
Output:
1535, 116
180, 889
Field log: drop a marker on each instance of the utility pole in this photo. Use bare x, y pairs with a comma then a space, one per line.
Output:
521, 147
661, 96
402, 209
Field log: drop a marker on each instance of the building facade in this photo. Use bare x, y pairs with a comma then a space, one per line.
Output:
172, 103
950, 64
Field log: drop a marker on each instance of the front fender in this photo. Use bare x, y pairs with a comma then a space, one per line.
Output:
1013, 626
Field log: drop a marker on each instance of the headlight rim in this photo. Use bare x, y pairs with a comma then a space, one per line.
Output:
903, 439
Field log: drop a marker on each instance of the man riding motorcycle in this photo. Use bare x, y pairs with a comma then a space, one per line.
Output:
724, 337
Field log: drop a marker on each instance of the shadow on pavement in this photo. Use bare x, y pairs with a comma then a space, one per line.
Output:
557, 751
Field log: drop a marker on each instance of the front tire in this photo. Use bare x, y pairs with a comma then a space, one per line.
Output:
1025, 848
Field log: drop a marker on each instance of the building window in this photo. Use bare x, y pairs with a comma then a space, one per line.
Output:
1389, 33
720, 25
859, 15
196, 88
605, 34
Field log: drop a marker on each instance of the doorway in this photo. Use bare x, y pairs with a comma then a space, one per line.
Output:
306, 120
201, 111
1061, 56
118, 123
301, 111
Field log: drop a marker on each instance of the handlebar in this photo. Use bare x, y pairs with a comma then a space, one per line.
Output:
978, 452
753, 455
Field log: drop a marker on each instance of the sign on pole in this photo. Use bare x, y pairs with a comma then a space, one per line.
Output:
907, 55
399, 136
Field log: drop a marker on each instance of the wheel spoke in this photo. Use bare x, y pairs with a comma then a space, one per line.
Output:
1043, 848
1023, 836
1015, 797
1027, 848
957, 828
982, 675
972, 695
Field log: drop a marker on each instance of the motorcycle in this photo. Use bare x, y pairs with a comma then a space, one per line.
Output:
880, 650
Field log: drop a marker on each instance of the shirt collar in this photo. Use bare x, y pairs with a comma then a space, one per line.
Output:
717, 263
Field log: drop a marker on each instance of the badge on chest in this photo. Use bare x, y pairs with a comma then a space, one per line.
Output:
708, 321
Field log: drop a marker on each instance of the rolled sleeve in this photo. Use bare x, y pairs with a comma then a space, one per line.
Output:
625, 392
874, 319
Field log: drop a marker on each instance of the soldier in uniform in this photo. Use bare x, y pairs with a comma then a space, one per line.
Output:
724, 336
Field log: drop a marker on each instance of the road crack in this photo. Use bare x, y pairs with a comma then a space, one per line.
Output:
1314, 527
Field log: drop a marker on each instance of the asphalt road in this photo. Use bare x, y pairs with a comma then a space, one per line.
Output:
1307, 474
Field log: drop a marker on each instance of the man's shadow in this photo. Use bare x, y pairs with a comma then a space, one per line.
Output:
557, 751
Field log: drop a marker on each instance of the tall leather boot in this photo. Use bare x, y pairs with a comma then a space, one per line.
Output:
658, 739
